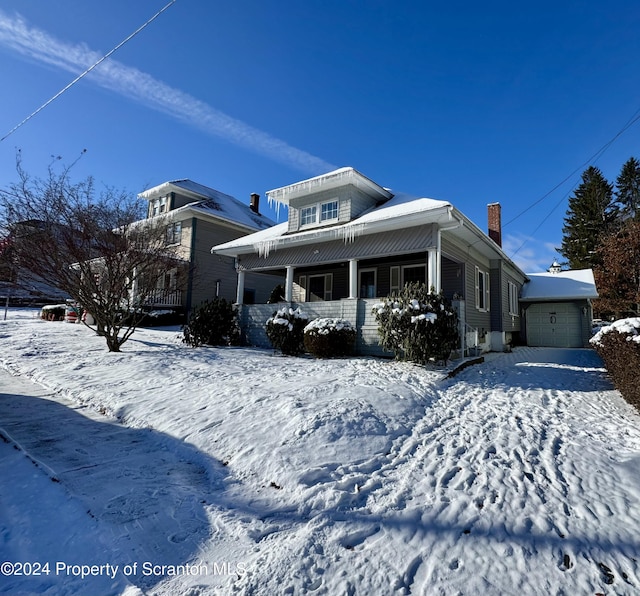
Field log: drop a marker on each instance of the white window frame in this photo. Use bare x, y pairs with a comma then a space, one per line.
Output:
306, 221
513, 298
483, 295
324, 219
373, 270
304, 215
173, 234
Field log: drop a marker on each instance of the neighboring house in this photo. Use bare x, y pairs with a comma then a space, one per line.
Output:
197, 217
349, 241
557, 308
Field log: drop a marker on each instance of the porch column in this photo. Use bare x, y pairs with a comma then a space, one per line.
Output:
240, 290
134, 285
433, 269
288, 286
353, 278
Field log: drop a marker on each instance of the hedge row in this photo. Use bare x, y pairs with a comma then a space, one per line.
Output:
619, 347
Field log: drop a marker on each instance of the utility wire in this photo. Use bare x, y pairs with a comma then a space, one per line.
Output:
594, 157
87, 71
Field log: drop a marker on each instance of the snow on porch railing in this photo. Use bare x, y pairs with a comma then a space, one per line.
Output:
164, 298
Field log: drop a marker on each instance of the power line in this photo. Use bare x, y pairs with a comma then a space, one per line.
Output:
593, 158
87, 71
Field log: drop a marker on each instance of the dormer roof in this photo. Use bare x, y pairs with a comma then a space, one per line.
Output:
331, 180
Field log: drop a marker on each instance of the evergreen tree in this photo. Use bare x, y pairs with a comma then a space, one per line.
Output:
591, 214
628, 189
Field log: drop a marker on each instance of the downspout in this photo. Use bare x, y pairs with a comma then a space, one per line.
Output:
192, 252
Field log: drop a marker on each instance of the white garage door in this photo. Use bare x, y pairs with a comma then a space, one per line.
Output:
556, 324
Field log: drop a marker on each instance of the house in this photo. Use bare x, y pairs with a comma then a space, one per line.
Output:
349, 241
196, 217
556, 307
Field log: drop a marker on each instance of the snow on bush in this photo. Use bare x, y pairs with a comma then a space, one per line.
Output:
619, 347
285, 330
327, 338
417, 324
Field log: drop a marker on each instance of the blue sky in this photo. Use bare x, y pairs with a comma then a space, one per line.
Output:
470, 102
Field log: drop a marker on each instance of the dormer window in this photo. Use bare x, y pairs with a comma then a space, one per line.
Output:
329, 211
157, 206
308, 216
320, 213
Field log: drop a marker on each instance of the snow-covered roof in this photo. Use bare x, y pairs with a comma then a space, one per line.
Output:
210, 202
396, 213
577, 284
328, 181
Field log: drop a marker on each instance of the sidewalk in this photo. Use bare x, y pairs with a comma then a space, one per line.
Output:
80, 488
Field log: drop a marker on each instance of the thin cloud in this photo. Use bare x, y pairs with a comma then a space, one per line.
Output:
533, 257
37, 45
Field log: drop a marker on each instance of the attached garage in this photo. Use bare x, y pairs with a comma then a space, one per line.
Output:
557, 308
556, 324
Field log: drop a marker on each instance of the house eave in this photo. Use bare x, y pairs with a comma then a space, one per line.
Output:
329, 181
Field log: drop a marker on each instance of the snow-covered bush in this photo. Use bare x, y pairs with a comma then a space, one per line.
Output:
417, 324
285, 330
619, 347
213, 323
328, 338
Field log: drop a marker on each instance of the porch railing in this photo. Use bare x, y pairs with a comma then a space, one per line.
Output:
163, 298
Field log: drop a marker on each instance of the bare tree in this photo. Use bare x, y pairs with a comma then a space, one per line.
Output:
92, 245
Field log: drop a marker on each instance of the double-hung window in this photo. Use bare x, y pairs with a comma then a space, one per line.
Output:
329, 211
513, 298
319, 213
174, 233
482, 290
308, 215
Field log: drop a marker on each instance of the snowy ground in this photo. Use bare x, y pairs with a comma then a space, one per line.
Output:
242, 472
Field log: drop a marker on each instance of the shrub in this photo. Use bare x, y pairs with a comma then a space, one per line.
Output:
213, 323
285, 330
417, 325
619, 347
328, 338
277, 295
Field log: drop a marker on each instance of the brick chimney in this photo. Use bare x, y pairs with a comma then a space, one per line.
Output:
254, 205
495, 222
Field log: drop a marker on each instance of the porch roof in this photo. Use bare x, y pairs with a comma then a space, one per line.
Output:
400, 212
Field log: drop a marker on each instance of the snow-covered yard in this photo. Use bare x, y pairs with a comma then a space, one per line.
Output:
175, 470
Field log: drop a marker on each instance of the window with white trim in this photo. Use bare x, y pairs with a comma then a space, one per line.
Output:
367, 283
174, 233
320, 287
482, 290
513, 298
329, 211
320, 213
308, 215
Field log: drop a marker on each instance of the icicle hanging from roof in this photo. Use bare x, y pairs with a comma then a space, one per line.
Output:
265, 247
349, 233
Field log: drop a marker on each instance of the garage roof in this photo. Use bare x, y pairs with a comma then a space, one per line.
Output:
576, 284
